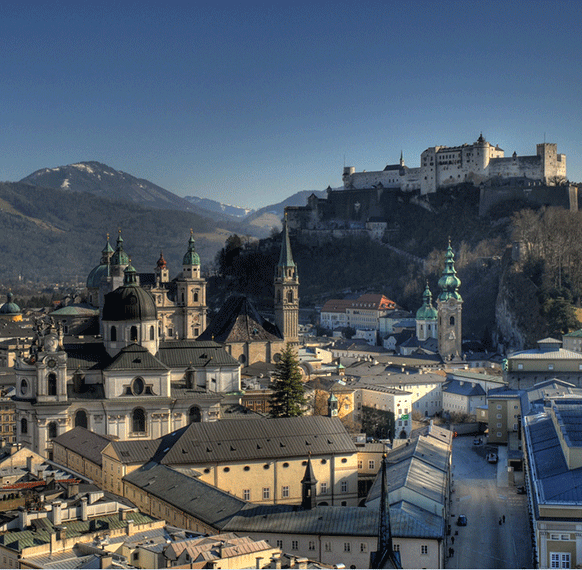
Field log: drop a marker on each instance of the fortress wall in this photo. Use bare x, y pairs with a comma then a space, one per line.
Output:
562, 196
518, 167
359, 180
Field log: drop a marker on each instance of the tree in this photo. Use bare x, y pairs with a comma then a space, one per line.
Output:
288, 400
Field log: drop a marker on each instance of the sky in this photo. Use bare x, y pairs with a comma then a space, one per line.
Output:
250, 102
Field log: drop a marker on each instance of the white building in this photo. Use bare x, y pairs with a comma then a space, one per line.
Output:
476, 163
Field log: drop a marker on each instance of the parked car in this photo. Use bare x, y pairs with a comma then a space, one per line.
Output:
521, 490
492, 457
477, 441
462, 520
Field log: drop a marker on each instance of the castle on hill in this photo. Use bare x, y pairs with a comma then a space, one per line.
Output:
476, 163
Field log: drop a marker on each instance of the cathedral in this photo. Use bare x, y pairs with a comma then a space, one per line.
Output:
156, 366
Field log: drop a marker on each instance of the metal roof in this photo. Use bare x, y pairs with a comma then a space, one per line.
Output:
463, 388
135, 357
233, 440
192, 496
178, 354
84, 442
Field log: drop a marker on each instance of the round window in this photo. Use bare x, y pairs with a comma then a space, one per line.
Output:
138, 386
247, 468
266, 466
23, 386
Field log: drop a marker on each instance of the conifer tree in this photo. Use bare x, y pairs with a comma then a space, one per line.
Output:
288, 399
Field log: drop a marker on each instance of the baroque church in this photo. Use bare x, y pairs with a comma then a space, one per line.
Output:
156, 366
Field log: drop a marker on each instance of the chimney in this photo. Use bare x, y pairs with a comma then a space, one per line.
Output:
22, 518
302, 563
276, 560
56, 513
122, 514
61, 533
220, 549
29, 463
130, 529
84, 502
106, 561
72, 490
258, 562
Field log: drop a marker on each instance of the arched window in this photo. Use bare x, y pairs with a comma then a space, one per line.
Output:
194, 415
52, 384
52, 430
81, 419
152, 333
196, 296
113, 334
452, 321
138, 423
182, 298
23, 425
133, 334
289, 296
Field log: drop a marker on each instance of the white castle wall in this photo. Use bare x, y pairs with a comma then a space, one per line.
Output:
476, 163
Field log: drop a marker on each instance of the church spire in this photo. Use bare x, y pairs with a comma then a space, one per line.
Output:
308, 487
384, 557
285, 256
449, 283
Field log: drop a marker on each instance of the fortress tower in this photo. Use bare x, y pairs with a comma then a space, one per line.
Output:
287, 292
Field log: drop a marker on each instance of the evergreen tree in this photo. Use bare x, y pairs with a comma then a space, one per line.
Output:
288, 399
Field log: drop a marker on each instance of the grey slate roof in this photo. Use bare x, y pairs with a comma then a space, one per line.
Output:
182, 353
192, 496
239, 321
144, 450
135, 357
463, 388
233, 440
85, 443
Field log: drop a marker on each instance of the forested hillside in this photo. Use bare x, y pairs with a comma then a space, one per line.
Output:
51, 235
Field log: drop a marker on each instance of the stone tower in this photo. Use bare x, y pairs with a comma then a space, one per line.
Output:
287, 292
449, 305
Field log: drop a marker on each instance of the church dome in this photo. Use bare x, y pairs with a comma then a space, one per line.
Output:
97, 273
129, 302
119, 257
191, 257
10, 307
427, 312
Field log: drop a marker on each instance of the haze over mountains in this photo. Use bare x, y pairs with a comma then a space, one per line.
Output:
48, 235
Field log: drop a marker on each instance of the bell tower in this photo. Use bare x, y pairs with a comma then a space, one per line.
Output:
287, 291
450, 304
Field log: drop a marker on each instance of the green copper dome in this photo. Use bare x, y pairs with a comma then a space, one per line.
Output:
119, 257
97, 273
191, 257
449, 282
10, 307
427, 312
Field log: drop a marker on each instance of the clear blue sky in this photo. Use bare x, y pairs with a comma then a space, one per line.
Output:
248, 102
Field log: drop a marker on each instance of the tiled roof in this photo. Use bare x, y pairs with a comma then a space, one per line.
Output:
239, 321
143, 450
233, 440
84, 442
135, 357
336, 305
192, 496
182, 353
20, 539
463, 388
536, 354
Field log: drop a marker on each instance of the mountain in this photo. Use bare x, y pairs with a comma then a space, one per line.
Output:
214, 207
270, 216
106, 182
49, 237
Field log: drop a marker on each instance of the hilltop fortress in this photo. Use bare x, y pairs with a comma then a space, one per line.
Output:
477, 163
363, 204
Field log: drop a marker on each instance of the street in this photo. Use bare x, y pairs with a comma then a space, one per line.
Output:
481, 491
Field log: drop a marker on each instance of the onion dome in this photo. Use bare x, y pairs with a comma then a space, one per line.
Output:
129, 302
10, 308
161, 264
449, 282
102, 270
427, 312
119, 257
191, 257
107, 250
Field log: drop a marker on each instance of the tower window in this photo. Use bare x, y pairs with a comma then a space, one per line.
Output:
289, 296
138, 421
113, 334
452, 321
52, 430
133, 334
52, 384
196, 296
152, 333
24, 425
81, 419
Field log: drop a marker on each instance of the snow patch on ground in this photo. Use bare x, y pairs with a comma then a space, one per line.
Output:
83, 167
65, 184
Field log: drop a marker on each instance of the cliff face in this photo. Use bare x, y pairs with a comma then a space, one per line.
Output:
517, 311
